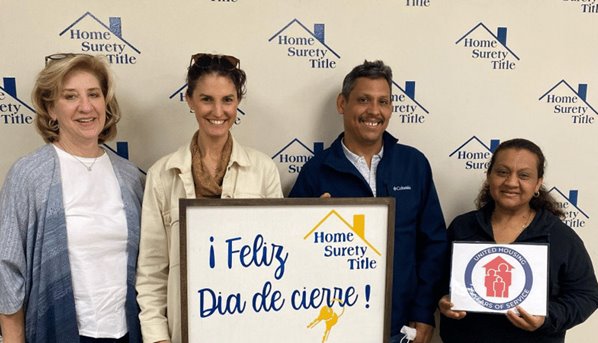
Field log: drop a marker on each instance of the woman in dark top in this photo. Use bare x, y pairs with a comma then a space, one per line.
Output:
514, 207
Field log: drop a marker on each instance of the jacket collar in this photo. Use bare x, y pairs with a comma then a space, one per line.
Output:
338, 161
538, 229
239, 155
181, 159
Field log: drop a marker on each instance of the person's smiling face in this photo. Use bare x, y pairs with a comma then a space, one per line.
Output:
366, 112
80, 109
514, 179
214, 101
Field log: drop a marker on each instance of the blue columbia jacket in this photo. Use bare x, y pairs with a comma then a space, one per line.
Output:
420, 232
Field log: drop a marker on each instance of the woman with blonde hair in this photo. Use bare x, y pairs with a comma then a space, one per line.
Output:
70, 216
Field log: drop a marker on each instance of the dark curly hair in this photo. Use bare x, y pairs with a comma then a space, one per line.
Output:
543, 200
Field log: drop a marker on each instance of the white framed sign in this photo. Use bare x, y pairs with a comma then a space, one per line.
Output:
292, 270
495, 278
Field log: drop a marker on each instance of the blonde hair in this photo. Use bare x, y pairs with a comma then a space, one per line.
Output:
48, 87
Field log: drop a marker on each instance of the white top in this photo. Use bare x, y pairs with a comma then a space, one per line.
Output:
97, 242
369, 174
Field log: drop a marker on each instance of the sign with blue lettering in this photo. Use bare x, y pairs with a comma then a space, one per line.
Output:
294, 270
497, 278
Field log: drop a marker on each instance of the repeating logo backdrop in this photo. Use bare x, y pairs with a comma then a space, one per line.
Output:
468, 74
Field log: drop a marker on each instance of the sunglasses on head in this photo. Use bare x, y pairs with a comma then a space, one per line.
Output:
61, 56
208, 60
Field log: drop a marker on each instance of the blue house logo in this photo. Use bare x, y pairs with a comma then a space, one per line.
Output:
179, 96
301, 43
408, 110
485, 45
95, 37
475, 154
13, 111
122, 150
575, 217
294, 155
570, 103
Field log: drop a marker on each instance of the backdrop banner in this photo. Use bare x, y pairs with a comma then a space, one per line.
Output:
467, 75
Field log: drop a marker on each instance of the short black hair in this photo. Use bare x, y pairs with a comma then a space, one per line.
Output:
372, 70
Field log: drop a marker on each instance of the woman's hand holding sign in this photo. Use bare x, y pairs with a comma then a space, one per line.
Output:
520, 318
445, 305
524, 320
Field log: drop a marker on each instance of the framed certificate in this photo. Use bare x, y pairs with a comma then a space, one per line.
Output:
489, 277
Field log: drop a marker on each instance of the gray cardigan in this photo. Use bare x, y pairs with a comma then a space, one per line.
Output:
34, 266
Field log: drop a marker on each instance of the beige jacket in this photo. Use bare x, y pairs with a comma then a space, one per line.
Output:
250, 174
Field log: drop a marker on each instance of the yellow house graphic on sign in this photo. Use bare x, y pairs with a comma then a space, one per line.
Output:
358, 227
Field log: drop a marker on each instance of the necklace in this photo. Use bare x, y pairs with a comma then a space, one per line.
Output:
527, 220
505, 232
89, 167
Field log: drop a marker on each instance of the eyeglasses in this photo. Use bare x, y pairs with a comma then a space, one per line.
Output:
208, 60
61, 56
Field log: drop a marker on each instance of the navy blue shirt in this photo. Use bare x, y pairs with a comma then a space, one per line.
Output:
420, 243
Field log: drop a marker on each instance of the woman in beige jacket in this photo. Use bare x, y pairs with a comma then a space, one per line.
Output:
213, 165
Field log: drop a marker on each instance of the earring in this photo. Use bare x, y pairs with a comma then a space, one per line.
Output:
53, 124
192, 111
536, 194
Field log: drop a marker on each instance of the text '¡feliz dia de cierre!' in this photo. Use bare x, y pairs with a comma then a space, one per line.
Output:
241, 253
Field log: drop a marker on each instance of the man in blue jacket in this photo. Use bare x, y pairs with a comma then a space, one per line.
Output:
366, 161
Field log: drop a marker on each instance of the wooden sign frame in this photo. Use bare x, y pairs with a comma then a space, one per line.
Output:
300, 270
